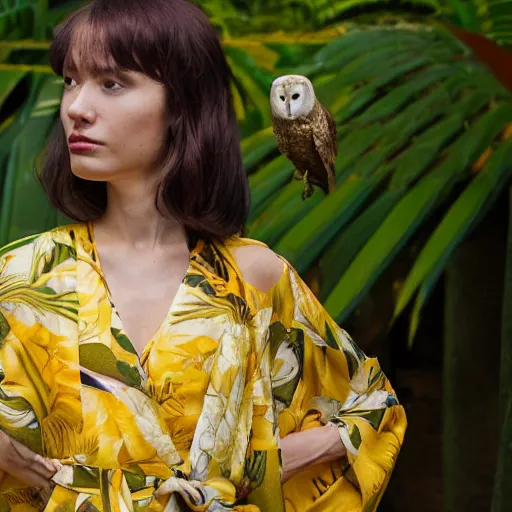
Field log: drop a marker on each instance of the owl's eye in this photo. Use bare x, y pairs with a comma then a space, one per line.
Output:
296, 96
282, 98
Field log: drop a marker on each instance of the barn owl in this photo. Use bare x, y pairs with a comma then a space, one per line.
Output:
305, 132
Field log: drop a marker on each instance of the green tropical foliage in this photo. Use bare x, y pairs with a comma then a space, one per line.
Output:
416, 112
424, 135
490, 17
415, 116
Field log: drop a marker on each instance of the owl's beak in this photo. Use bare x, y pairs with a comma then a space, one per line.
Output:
288, 107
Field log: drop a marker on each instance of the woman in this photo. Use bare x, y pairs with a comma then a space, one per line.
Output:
217, 381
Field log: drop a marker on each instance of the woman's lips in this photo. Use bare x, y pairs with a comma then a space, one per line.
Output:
80, 147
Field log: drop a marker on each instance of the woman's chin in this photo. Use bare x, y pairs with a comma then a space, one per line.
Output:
93, 174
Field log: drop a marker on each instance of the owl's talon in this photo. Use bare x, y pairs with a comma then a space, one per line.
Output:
307, 193
298, 175
308, 188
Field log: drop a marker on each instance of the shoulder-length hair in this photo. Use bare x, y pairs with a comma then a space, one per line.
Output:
204, 185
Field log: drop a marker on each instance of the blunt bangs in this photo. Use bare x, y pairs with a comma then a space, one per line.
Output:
204, 185
105, 38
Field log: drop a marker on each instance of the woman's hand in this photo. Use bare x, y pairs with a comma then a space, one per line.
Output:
23, 464
312, 446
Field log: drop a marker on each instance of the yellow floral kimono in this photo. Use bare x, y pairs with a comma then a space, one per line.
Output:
229, 372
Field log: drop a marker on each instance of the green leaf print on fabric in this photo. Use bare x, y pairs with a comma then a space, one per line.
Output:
4, 329
277, 333
330, 338
48, 254
130, 373
47, 290
135, 481
123, 340
100, 359
255, 467
18, 420
85, 477
286, 351
355, 437
199, 281
352, 363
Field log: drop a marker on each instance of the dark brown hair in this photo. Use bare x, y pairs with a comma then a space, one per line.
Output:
172, 41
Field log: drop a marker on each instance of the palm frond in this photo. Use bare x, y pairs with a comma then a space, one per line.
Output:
410, 131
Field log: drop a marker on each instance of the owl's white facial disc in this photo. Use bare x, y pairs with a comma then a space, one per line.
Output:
292, 96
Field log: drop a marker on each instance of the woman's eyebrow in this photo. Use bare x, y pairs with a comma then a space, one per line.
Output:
105, 70
70, 68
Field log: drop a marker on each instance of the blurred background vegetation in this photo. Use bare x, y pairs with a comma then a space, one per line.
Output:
412, 252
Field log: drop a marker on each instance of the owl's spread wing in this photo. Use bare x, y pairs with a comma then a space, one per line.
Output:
325, 138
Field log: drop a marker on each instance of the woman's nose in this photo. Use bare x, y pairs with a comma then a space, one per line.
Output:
81, 107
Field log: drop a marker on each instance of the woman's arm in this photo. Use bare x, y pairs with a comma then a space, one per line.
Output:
322, 377
302, 449
23, 464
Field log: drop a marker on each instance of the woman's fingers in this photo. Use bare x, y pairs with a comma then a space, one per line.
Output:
22, 470
57, 464
42, 465
24, 465
30, 477
174, 484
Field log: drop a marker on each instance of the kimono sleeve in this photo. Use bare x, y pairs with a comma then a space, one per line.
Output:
320, 376
36, 387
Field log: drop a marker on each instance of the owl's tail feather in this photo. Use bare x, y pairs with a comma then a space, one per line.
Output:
324, 187
331, 180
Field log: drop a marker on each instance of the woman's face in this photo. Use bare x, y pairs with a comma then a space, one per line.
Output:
124, 112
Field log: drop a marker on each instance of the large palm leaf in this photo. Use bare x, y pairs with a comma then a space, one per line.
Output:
29, 101
416, 112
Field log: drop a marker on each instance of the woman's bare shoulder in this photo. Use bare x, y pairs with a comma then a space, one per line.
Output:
259, 265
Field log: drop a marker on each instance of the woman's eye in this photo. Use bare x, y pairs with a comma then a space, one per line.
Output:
108, 85
66, 78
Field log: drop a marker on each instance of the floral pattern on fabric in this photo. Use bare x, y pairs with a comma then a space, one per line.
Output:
193, 423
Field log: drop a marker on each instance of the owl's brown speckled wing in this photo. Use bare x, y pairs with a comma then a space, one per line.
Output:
296, 140
326, 143
284, 138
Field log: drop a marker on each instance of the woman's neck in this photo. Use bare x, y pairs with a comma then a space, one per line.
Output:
132, 218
